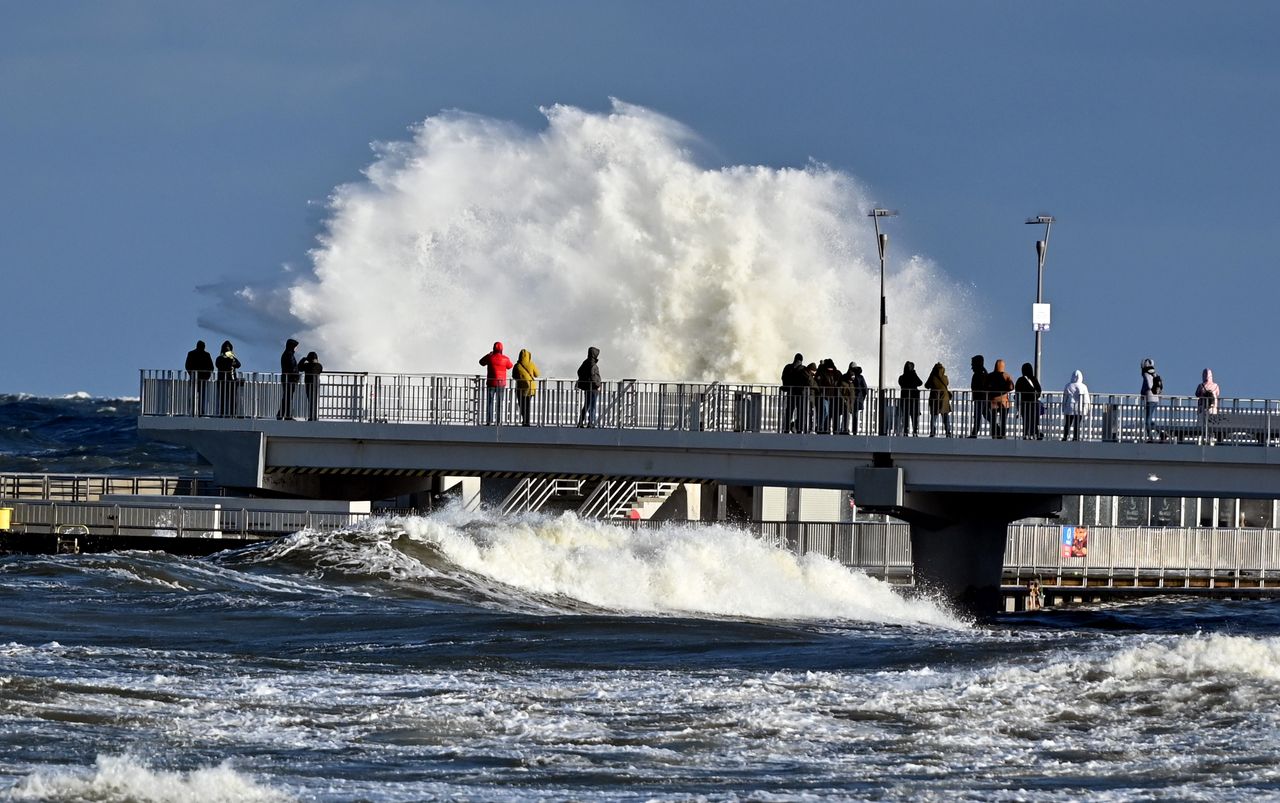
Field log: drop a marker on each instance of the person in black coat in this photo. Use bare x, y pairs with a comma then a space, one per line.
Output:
199, 368
311, 369
793, 385
1029, 391
981, 397
227, 365
909, 402
858, 392
288, 378
589, 383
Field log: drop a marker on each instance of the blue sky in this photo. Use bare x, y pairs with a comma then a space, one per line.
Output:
148, 149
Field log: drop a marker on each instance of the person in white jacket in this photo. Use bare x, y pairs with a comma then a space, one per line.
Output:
1075, 405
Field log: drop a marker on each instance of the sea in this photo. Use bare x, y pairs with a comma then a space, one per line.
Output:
466, 656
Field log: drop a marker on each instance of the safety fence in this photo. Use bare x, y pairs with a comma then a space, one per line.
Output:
707, 406
168, 522
91, 487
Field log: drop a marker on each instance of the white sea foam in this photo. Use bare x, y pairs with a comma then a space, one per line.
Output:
602, 229
124, 778
675, 568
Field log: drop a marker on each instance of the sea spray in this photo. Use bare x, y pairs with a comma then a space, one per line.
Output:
674, 568
603, 230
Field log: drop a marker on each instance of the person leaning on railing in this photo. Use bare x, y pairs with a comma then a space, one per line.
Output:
1208, 393
311, 369
999, 385
526, 372
496, 364
228, 383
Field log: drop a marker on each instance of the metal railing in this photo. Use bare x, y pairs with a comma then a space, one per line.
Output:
698, 406
173, 522
91, 487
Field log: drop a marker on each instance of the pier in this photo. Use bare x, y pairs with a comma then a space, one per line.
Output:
380, 435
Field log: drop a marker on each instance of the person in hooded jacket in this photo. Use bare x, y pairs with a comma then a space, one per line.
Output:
1075, 405
1029, 392
793, 385
311, 369
496, 364
828, 379
589, 383
978, 387
199, 368
526, 373
939, 388
1208, 394
909, 402
812, 392
227, 364
288, 378
858, 392
1150, 398
999, 384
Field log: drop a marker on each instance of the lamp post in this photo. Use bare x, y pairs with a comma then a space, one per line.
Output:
1042, 248
882, 242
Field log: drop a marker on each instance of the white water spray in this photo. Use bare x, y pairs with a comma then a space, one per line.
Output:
602, 230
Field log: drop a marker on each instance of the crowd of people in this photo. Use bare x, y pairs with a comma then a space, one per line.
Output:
816, 397
820, 398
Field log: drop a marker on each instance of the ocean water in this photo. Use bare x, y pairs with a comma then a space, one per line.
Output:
462, 656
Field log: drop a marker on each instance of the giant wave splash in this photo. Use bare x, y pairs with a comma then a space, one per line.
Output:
542, 563
603, 230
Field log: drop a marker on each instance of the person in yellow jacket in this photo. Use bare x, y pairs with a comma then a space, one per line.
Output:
526, 373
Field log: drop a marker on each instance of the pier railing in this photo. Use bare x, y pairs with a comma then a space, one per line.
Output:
464, 400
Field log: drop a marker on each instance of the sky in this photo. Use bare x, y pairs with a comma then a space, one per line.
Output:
153, 152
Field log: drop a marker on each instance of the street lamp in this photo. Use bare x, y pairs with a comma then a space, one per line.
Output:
882, 242
1040, 312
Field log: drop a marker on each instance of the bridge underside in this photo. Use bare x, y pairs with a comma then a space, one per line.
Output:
958, 495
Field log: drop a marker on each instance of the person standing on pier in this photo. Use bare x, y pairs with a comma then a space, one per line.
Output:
526, 372
981, 407
589, 383
311, 370
288, 379
497, 365
793, 383
199, 367
939, 388
909, 403
858, 392
227, 365
1029, 392
1000, 385
1152, 387
1075, 405
1208, 393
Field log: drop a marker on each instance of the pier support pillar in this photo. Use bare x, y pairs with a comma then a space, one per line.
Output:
957, 539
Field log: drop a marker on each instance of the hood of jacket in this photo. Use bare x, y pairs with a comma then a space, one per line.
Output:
1078, 376
290, 344
497, 346
1148, 366
939, 371
525, 358
1207, 376
593, 354
1028, 369
908, 367
999, 366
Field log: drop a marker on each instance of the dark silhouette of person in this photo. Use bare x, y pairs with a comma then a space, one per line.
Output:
939, 387
1029, 391
858, 392
978, 386
909, 402
199, 367
311, 369
288, 378
793, 385
227, 364
589, 383
998, 388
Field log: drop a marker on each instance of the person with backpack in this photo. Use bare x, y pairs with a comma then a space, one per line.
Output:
1208, 393
589, 383
1152, 387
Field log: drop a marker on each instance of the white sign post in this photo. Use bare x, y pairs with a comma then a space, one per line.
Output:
1040, 317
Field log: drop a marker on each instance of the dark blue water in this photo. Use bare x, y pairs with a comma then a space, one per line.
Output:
463, 656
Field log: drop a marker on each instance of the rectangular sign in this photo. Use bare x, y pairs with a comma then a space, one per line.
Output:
1040, 317
1075, 541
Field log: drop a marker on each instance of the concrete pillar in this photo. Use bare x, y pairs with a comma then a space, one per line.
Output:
963, 560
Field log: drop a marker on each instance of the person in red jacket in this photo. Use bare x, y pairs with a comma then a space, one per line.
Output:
498, 365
